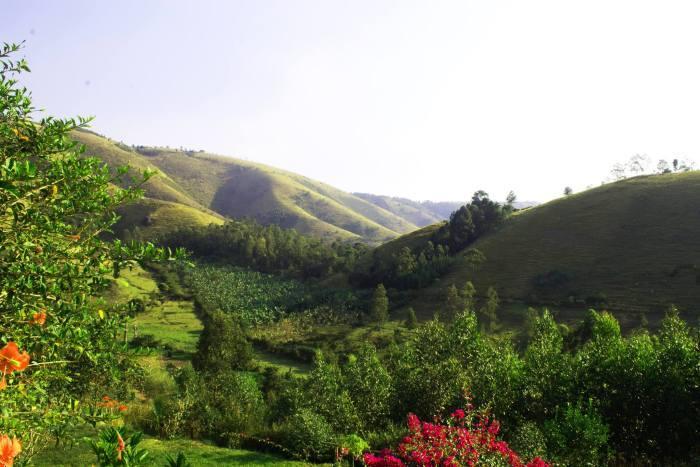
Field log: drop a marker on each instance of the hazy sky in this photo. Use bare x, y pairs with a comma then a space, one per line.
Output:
429, 100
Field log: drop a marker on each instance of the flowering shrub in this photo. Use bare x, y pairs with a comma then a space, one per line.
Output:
466, 439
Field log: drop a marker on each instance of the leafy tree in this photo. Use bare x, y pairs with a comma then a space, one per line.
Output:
568, 191
411, 320
467, 295
55, 205
489, 309
379, 307
453, 302
222, 345
370, 388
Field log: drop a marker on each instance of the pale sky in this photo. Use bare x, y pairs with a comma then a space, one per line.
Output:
423, 99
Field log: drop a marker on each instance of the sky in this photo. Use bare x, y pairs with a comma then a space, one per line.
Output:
422, 99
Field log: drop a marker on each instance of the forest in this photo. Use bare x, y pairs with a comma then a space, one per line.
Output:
256, 342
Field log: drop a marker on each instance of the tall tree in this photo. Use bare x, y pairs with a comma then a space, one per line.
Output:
453, 303
489, 310
467, 295
379, 308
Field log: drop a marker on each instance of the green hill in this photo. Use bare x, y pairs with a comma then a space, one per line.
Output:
418, 213
632, 245
226, 187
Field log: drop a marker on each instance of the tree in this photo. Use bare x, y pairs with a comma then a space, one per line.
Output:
411, 320
568, 191
489, 310
222, 345
55, 204
379, 307
467, 295
453, 303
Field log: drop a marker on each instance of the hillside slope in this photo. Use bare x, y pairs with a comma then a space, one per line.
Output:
418, 213
631, 245
226, 187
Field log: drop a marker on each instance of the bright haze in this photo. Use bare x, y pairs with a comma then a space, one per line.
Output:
428, 100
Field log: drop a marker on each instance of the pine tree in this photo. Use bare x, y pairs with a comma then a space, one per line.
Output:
379, 308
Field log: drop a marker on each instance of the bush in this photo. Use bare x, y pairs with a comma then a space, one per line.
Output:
309, 435
222, 345
576, 438
529, 441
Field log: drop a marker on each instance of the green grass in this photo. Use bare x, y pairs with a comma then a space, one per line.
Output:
198, 454
174, 324
132, 283
199, 188
635, 241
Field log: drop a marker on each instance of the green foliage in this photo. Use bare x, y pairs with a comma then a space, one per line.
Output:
114, 448
529, 441
251, 297
411, 320
488, 311
55, 204
267, 248
576, 437
178, 461
370, 388
453, 303
379, 306
471, 221
309, 435
355, 445
222, 345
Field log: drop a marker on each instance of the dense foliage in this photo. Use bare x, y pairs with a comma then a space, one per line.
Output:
472, 221
269, 249
55, 203
252, 296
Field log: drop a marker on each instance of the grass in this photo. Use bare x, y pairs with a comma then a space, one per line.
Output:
634, 242
199, 188
198, 453
174, 324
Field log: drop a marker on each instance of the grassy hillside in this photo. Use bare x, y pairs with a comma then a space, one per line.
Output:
226, 187
633, 244
420, 214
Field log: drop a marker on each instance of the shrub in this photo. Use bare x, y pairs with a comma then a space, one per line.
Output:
466, 438
576, 438
309, 434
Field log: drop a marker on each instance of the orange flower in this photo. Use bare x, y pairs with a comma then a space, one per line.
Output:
9, 449
11, 360
123, 408
38, 318
120, 446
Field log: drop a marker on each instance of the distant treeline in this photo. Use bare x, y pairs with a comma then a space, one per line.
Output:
417, 267
269, 249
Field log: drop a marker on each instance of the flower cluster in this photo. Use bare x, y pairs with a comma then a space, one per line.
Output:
109, 403
465, 439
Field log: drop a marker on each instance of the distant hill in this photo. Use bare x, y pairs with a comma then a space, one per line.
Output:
630, 245
422, 213
207, 187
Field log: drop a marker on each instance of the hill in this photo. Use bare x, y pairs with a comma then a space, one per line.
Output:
220, 187
416, 212
631, 245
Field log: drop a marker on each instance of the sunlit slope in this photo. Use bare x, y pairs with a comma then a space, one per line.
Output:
635, 242
420, 214
237, 188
